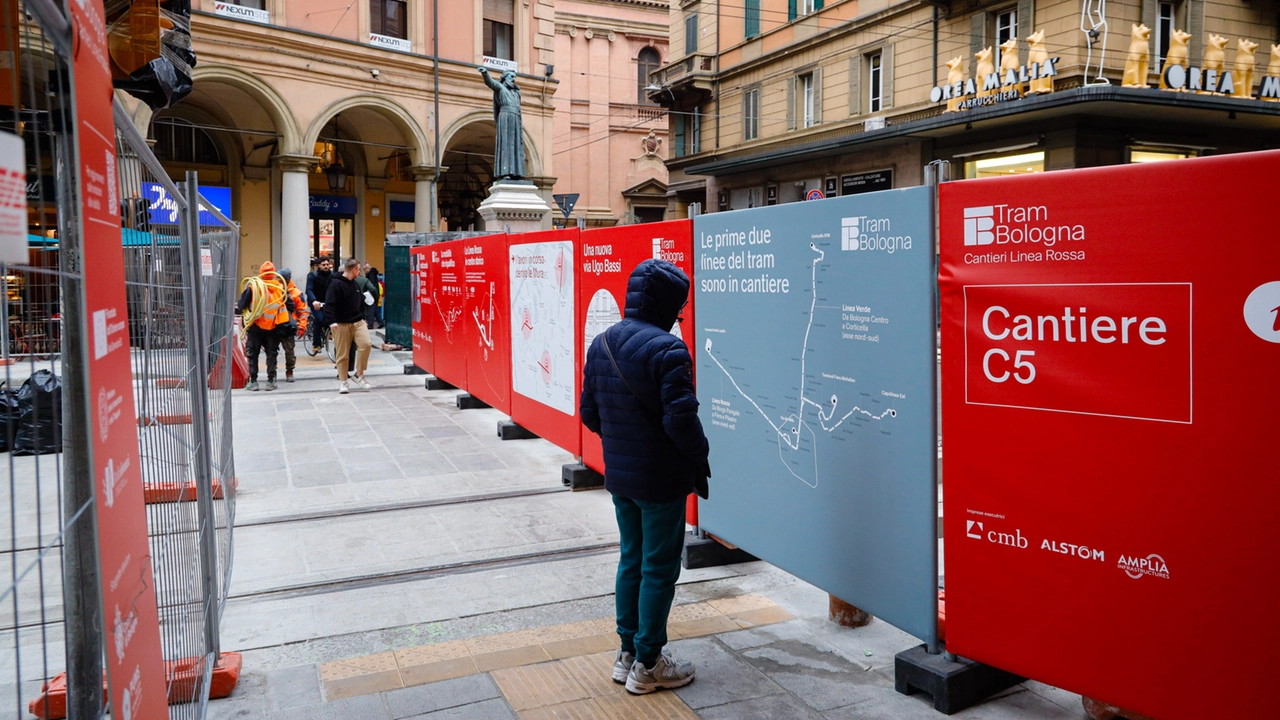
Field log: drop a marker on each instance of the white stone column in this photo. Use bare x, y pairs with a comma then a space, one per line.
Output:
295, 213
423, 202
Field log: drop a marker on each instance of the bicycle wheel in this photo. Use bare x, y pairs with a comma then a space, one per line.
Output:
329, 350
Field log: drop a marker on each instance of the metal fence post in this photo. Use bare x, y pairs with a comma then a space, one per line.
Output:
936, 173
198, 353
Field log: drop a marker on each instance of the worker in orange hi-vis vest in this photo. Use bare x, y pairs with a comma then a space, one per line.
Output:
265, 305
297, 325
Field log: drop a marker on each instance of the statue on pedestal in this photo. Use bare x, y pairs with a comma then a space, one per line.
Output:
508, 145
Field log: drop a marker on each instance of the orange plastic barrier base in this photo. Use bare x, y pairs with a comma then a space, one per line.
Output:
52, 703
165, 492
170, 383
165, 419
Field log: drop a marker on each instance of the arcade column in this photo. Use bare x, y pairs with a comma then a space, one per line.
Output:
295, 212
423, 202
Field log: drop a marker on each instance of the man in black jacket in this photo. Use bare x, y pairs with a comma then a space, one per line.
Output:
318, 282
344, 311
637, 395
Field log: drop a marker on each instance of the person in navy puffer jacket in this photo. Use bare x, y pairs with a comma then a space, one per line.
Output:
653, 449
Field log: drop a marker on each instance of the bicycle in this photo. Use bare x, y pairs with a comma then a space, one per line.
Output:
326, 337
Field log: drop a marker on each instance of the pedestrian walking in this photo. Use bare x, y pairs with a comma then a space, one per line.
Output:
637, 395
344, 305
317, 289
297, 319
265, 305
371, 311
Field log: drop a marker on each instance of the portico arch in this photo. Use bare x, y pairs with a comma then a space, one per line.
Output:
282, 117
414, 137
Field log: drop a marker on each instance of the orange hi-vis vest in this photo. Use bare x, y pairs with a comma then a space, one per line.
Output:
275, 312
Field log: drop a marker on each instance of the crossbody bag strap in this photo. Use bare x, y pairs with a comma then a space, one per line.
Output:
609, 351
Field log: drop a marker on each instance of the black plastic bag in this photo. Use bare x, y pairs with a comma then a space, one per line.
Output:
165, 80
39, 415
8, 418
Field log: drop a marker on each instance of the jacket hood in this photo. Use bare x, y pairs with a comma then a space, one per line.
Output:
287, 274
267, 268
656, 292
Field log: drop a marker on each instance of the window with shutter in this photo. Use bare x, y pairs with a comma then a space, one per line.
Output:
791, 103
875, 82
646, 62
499, 28
691, 35
751, 21
387, 17
751, 114
855, 85
678, 143
817, 95
886, 80
791, 10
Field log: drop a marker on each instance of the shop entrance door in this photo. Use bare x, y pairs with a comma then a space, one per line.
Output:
332, 236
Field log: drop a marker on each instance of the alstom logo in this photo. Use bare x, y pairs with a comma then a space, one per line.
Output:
978, 223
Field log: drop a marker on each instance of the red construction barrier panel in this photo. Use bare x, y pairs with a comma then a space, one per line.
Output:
420, 290
488, 320
546, 342
608, 256
448, 313
1110, 346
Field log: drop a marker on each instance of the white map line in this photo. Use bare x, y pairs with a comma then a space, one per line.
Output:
795, 421
485, 326
448, 320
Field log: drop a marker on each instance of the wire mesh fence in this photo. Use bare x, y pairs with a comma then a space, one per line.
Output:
180, 287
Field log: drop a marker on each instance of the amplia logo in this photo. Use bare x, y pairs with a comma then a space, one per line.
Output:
1008, 224
1152, 565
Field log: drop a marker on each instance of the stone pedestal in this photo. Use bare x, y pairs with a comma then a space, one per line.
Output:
514, 206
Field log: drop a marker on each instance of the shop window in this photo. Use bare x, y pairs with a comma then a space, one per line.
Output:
691, 34
875, 82
806, 87
387, 17
499, 29
1165, 20
646, 62
751, 21
751, 114
1006, 29
1148, 156
179, 141
1020, 164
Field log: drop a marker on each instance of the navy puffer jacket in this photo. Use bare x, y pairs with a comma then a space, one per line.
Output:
650, 453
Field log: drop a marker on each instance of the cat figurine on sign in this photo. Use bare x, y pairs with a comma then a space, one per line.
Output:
1037, 55
1135, 66
1009, 63
985, 68
1177, 54
954, 75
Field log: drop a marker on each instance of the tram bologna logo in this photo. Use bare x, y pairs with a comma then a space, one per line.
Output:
1005, 224
871, 233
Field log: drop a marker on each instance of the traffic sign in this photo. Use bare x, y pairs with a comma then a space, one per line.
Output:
814, 194
566, 202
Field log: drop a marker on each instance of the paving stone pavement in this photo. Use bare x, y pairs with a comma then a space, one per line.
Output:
354, 508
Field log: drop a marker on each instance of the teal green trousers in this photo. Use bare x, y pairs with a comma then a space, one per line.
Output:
651, 536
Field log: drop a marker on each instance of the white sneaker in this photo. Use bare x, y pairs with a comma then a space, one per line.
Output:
343, 389
667, 672
622, 666
362, 383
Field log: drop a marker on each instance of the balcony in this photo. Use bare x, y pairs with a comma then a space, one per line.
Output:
690, 74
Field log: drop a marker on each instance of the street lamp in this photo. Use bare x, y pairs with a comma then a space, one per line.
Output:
337, 175
653, 87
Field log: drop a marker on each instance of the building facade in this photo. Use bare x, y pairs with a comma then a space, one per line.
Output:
609, 137
327, 124
772, 100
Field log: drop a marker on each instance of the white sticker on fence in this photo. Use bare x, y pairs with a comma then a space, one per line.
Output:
13, 199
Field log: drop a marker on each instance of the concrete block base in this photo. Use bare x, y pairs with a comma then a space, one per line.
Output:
705, 552
467, 401
435, 383
577, 477
954, 685
509, 430
411, 369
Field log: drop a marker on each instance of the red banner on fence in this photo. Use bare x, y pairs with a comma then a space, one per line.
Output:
448, 312
608, 256
420, 289
135, 667
488, 320
1110, 344
546, 344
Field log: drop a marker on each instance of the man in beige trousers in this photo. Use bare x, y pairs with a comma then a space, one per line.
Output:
344, 311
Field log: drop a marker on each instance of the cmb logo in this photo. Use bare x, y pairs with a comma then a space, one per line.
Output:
978, 225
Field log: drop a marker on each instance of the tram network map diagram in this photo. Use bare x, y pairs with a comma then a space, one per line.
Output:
798, 424
542, 323
815, 377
